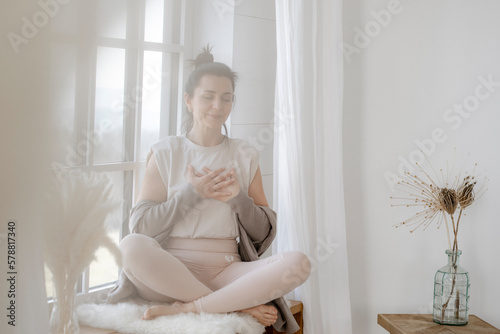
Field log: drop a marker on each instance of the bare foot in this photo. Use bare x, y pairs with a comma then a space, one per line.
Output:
265, 314
175, 308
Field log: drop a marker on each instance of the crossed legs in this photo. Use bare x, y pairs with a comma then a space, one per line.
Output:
157, 274
235, 286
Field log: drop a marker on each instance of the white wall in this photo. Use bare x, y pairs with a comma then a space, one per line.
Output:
212, 24
244, 37
397, 89
254, 59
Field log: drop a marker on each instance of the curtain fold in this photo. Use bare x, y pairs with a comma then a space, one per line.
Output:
308, 182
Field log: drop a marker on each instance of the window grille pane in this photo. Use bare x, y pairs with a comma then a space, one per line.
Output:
49, 284
142, 172
153, 78
108, 121
105, 269
153, 29
112, 18
173, 19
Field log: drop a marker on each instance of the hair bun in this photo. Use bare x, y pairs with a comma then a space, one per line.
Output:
204, 57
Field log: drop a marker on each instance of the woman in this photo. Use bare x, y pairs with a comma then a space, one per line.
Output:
201, 192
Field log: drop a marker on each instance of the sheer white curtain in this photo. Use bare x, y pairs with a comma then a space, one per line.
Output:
308, 156
24, 128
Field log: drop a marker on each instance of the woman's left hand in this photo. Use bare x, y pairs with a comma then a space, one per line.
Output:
233, 188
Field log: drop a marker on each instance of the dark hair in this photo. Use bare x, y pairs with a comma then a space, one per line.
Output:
204, 65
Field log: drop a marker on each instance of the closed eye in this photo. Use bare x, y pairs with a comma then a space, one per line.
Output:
228, 97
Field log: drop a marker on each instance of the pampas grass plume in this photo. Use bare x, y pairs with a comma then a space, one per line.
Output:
78, 204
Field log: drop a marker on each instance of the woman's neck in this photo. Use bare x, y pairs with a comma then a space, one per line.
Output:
207, 137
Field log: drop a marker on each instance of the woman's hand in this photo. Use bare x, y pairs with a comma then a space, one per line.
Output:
232, 189
214, 184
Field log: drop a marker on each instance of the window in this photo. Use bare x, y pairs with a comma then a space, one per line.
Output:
117, 69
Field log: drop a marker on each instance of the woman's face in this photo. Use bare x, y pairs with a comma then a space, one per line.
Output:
211, 102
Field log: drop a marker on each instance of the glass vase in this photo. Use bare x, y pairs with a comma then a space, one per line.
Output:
451, 292
63, 319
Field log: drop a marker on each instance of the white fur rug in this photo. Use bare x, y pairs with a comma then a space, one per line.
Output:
126, 318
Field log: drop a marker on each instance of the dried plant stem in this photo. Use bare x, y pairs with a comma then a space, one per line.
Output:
455, 242
454, 232
454, 271
454, 267
447, 230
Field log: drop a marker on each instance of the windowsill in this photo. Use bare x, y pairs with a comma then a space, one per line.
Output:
89, 330
97, 295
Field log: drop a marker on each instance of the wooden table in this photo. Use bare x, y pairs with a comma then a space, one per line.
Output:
422, 323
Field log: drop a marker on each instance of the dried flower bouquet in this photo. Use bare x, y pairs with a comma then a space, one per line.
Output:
437, 203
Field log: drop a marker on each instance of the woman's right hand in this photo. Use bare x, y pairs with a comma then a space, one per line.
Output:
209, 185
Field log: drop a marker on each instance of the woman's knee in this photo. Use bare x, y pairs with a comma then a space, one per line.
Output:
133, 246
299, 263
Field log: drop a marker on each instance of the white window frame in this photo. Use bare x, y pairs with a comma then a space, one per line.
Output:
170, 116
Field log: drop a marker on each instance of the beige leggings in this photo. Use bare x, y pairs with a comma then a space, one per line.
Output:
209, 272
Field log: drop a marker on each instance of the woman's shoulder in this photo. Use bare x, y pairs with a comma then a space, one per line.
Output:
168, 143
243, 147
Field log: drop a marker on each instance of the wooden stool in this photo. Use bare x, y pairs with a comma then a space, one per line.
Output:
296, 308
